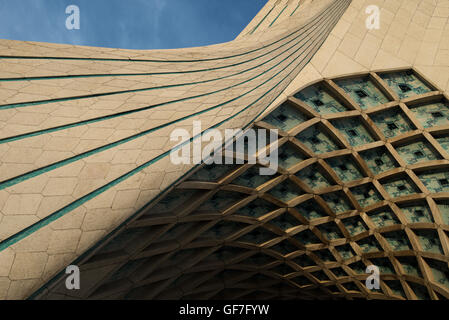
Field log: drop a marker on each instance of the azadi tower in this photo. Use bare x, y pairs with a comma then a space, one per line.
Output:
363, 178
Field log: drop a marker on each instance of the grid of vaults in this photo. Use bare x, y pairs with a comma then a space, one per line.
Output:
363, 180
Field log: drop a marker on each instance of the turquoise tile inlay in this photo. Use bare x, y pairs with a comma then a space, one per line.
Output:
400, 187
313, 177
435, 181
369, 244
289, 155
366, 195
252, 179
392, 122
221, 200
354, 225
310, 210
363, 91
286, 117
353, 130
440, 271
416, 213
398, 240
444, 142
429, 240
405, 83
319, 99
444, 210
257, 208
345, 251
337, 201
285, 221
286, 191
330, 230
410, 266
383, 217
432, 115
418, 151
345, 168
379, 160
317, 141
384, 264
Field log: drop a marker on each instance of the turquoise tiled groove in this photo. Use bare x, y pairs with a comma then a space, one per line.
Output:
23, 177
152, 60
262, 20
295, 9
26, 104
275, 19
61, 212
40, 132
63, 127
172, 72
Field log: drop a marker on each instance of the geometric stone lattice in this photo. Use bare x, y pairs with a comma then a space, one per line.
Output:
363, 180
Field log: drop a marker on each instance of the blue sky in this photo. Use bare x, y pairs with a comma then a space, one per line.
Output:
131, 24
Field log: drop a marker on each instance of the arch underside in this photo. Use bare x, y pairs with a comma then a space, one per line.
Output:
363, 179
